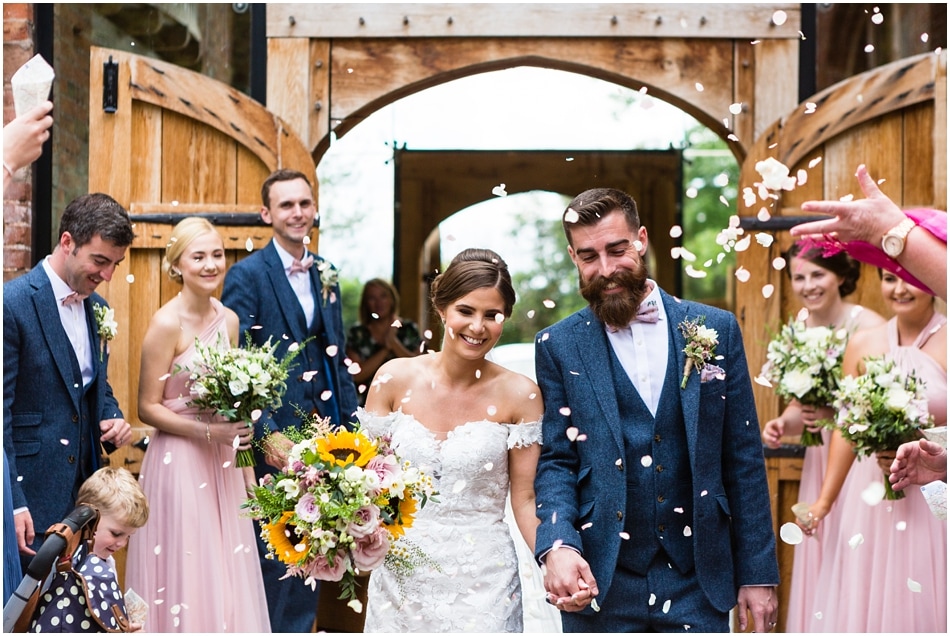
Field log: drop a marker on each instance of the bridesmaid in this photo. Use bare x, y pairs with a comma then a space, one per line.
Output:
195, 562
890, 574
821, 283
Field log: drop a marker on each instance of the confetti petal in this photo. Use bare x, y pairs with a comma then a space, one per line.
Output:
768, 290
913, 586
856, 540
874, 493
499, 190
791, 533
646, 461
249, 244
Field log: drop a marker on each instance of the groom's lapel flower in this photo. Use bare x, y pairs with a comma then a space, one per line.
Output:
700, 347
106, 326
329, 278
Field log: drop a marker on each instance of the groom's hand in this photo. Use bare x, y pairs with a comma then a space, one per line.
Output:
568, 580
761, 602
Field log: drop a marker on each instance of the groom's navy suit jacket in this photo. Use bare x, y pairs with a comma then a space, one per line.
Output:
49, 421
581, 487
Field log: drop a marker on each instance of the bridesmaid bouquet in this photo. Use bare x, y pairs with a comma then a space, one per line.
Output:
339, 506
239, 383
804, 363
881, 410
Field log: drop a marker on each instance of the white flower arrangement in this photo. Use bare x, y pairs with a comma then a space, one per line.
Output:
329, 278
881, 410
700, 347
804, 363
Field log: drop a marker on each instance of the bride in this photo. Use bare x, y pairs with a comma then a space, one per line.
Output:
475, 427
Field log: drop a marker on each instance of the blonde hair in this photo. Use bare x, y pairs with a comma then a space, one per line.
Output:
115, 491
187, 230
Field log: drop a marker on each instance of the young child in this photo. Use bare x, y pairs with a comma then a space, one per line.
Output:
123, 509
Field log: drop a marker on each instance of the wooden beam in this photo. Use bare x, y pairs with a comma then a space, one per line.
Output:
600, 20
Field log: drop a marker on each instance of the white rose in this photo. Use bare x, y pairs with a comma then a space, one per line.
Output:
706, 334
897, 398
798, 383
237, 386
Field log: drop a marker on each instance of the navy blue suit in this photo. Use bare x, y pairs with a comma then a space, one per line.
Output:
51, 432
594, 491
258, 291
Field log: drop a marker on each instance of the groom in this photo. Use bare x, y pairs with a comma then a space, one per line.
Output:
650, 480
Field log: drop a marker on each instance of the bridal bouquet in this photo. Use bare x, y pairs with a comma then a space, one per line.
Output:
804, 363
881, 410
239, 383
339, 506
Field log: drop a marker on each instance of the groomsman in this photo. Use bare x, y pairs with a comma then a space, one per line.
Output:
651, 486
289, 294
58, 408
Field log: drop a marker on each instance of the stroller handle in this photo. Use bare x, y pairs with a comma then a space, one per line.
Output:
42, 564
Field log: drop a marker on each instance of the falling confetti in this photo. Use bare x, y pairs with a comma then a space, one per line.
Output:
699, 87
743, 275
856, 540
687, 531
572, 433
652, 600
157, 550
791, 533
130, 279
550, 304
764, 239
571, 216
249, 245
874, 493
356, 606
565, 411
488, 466
779, 18
326, 395
778, 263
354, 368
492, 410
308, 375
869, 48
694, 273
736, 108
901, 526
913, 586
499, 190
762, 381
167, 459
646, 461
666, 606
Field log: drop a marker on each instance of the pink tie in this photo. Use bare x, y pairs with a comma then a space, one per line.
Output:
72, 299
301, 265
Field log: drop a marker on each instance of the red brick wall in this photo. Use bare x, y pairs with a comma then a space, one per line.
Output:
18, 47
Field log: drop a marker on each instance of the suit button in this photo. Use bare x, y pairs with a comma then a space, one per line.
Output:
661, 528
71, 459
659, 468
75, 418
657, 438
620, 465
619, 516
661, 498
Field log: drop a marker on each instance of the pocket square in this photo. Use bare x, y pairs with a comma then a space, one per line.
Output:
711, 372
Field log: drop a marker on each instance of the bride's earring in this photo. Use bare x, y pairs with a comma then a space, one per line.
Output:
174, 272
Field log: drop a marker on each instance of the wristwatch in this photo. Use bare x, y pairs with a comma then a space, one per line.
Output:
893, 241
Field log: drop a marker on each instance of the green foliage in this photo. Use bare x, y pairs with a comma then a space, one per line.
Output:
552, 279
350, 290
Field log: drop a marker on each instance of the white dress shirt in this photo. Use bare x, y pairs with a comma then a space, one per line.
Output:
73, 317
299, 281
643, 348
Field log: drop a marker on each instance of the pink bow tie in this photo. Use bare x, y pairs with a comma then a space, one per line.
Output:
301, 265
648, 314
73, 299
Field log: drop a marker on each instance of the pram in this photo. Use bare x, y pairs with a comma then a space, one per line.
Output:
65, 541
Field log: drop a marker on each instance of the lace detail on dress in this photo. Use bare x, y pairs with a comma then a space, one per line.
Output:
469, 580
521, 435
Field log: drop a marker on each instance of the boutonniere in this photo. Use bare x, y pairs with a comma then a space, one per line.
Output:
106, 326
329, 278
701, 344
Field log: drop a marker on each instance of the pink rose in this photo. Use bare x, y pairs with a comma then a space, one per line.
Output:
321, 568
365, 523
307, 508
385, 468
370, 551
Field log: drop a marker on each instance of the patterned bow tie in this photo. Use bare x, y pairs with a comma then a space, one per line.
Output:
72, 299
302, 266
648, 314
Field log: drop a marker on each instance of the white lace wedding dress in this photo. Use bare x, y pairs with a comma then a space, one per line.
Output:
472, 583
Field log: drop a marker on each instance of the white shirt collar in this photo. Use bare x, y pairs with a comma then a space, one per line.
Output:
286, 259
60, 288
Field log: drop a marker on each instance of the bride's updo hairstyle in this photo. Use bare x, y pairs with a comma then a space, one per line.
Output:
187, 230
473, 268
840, 264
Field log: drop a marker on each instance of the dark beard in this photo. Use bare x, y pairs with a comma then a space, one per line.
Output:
616, 310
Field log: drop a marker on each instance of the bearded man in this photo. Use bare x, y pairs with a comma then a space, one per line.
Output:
651, 487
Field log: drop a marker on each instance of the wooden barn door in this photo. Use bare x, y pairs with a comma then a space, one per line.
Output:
168, 143
892, 119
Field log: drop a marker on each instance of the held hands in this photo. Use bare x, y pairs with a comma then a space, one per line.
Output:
568, 580
117, 431
812, 519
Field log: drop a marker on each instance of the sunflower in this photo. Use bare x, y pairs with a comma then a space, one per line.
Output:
286, 544
405, 513
343, 448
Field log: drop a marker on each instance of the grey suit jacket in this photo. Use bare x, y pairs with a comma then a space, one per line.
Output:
258, 291
581, 493
42, 395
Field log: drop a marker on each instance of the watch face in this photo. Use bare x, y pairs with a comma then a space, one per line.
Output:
893, 246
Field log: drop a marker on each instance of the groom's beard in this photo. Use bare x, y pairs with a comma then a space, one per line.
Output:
616, 309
